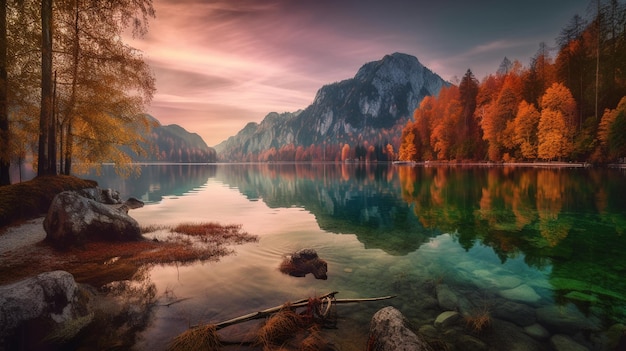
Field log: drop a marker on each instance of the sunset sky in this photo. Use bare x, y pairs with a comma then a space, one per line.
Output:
221, 64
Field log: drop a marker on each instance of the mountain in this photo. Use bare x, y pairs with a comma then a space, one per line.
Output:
173, 143
366, 111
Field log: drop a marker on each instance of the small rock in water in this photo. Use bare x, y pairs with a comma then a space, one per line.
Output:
446, 319
522, 293
562, 342
446, 297
537, 331
347, 270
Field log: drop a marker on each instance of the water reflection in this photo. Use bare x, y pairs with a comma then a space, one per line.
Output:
359, 199
568, 220
569, 223
157, 180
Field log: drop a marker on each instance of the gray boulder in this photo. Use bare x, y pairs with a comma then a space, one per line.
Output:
105, 196
390, 331
74, 219
50, 299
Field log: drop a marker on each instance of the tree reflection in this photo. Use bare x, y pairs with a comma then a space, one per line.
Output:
571, 221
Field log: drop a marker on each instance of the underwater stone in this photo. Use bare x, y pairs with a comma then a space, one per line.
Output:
522, 293
537, 331
446, 319
518, 313
566, 319
562, 342
470, 343
447, 299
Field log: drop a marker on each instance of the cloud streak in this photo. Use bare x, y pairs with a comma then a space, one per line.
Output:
220, 64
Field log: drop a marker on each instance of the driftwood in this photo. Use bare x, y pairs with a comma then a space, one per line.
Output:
327, 298
206, 337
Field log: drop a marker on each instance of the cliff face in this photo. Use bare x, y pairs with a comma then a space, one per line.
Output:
372, 106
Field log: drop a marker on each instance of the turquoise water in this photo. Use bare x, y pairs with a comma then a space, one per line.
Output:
539, 249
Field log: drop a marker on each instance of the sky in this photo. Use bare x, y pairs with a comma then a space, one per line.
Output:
220, 64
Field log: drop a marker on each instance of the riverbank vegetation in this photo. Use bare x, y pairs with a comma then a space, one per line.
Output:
32, 198
571, 106
73, 92
100, 263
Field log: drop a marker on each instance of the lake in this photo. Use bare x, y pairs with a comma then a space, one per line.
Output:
541, 250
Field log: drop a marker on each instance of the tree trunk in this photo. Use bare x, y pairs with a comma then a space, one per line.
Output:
46, 86
5, 155
52, 131
68, 148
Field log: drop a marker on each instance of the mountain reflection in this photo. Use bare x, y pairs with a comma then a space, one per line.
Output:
360, 199
156, 180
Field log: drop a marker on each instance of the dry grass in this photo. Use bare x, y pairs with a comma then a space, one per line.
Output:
313, 342
478, 320
203, 337
99, 263
279, 328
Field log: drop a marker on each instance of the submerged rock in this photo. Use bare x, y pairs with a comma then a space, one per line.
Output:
518, 313
303, 262
390, 331
446, 297
566, 319
560, 342
446, 319
522, 293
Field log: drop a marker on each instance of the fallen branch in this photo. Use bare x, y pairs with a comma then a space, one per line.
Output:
206, 335
299, 303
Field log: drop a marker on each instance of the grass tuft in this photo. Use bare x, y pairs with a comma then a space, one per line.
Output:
203, 337
478, 320
279, 328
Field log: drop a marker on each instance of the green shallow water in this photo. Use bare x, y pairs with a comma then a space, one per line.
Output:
548, 241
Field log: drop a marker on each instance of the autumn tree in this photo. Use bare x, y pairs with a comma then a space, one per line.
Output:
556, 125
469, 131
525, 136
446, 117
611, 131
105, 83
422, 127
408, 150
495, 120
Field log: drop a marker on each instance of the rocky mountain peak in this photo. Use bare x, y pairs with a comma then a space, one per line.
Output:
381, 97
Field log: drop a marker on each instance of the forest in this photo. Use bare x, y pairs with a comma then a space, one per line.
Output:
72, 92
567, 107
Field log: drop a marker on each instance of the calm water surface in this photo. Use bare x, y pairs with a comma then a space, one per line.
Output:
551, 241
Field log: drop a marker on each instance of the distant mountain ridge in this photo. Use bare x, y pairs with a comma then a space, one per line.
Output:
368, 110
173, 143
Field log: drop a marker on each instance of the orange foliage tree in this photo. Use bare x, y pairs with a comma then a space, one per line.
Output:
525, 125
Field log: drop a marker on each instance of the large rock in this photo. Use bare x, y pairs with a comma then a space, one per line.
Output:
48, 299
390, 331
105, 196
74, 219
